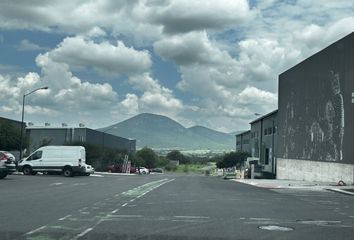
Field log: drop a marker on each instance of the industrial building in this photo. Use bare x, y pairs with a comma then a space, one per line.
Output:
263, 142
260, 142
39, 136
316, 116
243, 141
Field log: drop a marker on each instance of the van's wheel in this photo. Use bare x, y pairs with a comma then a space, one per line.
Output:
27, 170
68, 172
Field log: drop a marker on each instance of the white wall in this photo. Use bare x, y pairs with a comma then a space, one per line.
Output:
306, 170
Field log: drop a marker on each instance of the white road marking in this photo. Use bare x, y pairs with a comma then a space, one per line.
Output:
63, 218
260, 219
83, 233
96, 175
127, 216
55, 184
125, 204
116, 210
79, 184
36, 230
192, 217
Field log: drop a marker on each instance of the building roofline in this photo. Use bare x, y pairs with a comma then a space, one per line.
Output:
50, 127
9, 119
264, 116
241, 133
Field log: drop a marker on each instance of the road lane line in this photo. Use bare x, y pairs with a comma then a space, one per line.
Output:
96, 175
63, 218
83, 233
55, 184
125, 204
192, 217
127, 216
36, 230
116, 210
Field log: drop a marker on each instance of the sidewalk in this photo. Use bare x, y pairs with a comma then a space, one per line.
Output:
292, 184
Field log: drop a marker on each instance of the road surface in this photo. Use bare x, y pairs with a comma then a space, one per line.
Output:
166, 206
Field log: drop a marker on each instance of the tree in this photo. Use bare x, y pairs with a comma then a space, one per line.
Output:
148, 157
175, 155
233, 159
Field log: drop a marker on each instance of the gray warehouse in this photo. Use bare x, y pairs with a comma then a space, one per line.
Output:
316, 116
63, 135
263, 142
243, 141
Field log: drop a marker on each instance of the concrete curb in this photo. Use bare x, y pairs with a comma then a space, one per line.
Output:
340, 191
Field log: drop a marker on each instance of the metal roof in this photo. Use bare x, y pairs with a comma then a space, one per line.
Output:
241, 133
264, 116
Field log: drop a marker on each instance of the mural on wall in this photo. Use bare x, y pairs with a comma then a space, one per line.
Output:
316, 106
317, 120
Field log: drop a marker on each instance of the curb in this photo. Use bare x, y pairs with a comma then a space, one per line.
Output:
119, 174
337, 190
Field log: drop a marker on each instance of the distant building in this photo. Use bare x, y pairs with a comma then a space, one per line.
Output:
243, 141
10, 121
316, 116
63, 135
4, 122
263, 138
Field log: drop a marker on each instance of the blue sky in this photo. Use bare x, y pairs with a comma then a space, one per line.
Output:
210, 63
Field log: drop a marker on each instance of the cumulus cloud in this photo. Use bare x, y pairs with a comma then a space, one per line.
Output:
228, 54
182, 16
104, 57
190, 48
155, 98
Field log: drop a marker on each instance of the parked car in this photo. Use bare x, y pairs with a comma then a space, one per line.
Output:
142, 170
88, 170
156, 170
69, 160
7, 164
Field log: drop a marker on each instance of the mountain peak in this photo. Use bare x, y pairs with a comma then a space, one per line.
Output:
158, 131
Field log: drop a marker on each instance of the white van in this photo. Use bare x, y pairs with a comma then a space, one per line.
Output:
66, 159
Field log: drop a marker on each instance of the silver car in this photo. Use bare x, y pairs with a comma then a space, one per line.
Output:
7, 164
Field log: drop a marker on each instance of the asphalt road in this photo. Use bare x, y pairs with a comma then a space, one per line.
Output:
166, 207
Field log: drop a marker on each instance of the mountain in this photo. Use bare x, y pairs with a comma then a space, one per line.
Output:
237, 132
160, 132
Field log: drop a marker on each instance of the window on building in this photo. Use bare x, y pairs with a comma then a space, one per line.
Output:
266, 160
270, 130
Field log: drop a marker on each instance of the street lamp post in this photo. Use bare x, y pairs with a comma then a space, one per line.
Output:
23, 115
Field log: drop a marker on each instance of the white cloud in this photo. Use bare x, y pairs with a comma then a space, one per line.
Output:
104, 57
181, 16
155, 98
190, 48
130, 104
228, 55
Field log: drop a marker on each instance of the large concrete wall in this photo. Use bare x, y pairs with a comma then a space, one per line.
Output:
316, 110
305, 170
